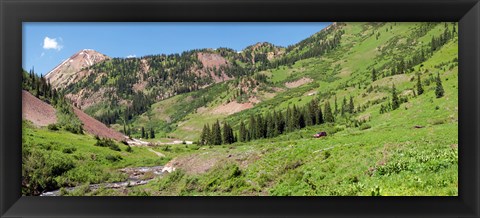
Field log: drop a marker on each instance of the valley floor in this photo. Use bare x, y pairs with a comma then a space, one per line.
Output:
399, 161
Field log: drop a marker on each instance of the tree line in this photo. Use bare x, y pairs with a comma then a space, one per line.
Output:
272, 124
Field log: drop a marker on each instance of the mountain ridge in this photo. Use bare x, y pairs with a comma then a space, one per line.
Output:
71, 69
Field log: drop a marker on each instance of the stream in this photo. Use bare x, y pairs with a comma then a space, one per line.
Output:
136, 177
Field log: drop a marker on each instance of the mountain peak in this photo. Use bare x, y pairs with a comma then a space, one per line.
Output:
67, 72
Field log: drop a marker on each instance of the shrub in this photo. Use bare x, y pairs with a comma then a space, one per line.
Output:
376, 191
365, 126
52, 126
39, 170
129, 149
438, 121
74, 128
69, 150
293, 165
113, 158
63, 191
107, 143
326, 155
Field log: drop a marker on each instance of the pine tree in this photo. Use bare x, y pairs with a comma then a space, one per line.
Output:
279, 123
439, 91
419, 85
260, 129
152, 133
301, 118
310, 117
336, 106
252, 131
328, 113
351, 107
395, 100
288, 120
295, 119
374, 75
143, 132
228, 137
319, 115
344, 106
242, 132
270, 124
216, 134
206, 135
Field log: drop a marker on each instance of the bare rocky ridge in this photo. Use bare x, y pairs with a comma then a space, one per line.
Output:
71, 70
41, 114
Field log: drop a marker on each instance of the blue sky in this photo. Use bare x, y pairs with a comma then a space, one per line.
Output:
47, 44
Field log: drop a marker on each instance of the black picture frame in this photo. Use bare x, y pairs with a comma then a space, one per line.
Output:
14, 12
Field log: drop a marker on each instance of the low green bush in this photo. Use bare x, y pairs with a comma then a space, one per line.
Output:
108, 143
52, 126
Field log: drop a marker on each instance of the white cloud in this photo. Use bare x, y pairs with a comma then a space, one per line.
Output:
131, 56
51, 43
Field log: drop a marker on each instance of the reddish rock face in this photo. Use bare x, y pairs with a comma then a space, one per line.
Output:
41, 114
210, 61
37, 111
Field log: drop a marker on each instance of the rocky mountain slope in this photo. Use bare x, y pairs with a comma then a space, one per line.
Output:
72, 69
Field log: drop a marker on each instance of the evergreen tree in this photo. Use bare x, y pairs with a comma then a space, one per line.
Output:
143, 132
319, 116
205, 136
344, 106
395, 100
152, 133
288, 120
252, 131
270, 124
351, 107
374, 75
260, 129
279, 123
328, 113
439, 92
295, 119
301, 119
419, 85
336, 106
310, 117
216, 134
228, 137
243, 132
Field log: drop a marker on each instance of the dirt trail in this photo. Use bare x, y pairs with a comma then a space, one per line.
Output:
156, 152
